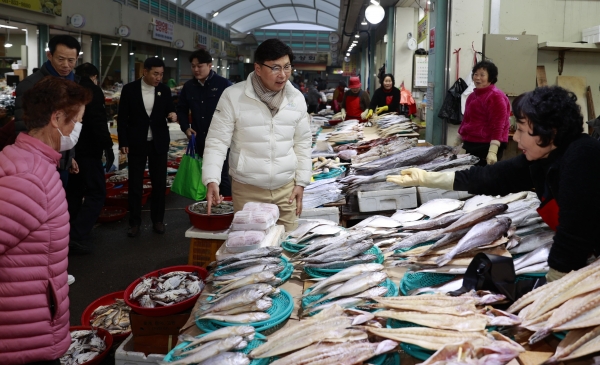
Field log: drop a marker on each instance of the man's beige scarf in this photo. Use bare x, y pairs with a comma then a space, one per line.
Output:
272, 99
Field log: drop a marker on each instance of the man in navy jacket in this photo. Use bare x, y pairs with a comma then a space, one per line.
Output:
200, 95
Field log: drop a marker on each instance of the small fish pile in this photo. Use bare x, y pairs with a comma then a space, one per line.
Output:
349, 288
85, 345
347, 131
321, 192
572, 304
337, 252
225, 207
214, 348
113, 317
167, 289
117, 178
332, 337
391, 124
244, 295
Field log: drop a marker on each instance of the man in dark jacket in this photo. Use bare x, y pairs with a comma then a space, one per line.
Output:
62, 58
143, 132
200, 95
89, 183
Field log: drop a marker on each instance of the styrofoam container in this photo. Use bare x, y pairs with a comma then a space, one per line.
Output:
126, 356
427, 194
330, 213
591, 35
374, 201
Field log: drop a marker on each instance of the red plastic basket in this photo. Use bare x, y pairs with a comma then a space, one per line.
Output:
107, 299
211, 222
103, 334
172, 309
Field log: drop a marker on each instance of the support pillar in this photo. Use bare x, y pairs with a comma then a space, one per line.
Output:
43, 39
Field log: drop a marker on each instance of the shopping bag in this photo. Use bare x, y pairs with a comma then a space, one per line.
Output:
188, 181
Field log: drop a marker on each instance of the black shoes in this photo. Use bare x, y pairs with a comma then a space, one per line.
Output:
159, 227
76, 248
133, 231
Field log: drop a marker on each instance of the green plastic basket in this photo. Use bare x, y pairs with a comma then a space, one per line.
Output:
331, 174
560, 335
413, 350
306, 301
280, 311
258, 340
281, 274
416, 280
292, 247
325, 273
385, 359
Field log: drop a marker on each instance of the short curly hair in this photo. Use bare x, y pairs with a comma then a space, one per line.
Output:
491, 69
553, 113
390, 76
50, 95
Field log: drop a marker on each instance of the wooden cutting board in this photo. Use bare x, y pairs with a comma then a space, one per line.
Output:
578, 86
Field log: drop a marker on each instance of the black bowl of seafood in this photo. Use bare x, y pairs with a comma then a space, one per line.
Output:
88, 346
220, 217
166, 291
110, 313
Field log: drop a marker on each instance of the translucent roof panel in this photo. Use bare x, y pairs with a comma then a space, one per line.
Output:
246, 15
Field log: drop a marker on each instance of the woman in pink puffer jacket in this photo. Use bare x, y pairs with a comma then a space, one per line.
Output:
34, 227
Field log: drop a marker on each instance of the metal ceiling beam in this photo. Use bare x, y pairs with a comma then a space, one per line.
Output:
223, 9
266, 25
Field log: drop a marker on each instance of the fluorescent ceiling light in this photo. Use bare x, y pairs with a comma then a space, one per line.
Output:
364, 22
80, 53
116, 44
7, 45
175, 59
8, 26
357, 35
131, 53
374, 2
347, 54
24, 30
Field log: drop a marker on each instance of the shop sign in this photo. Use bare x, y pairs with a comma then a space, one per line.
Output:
163, 30
46, 7
311, 58
432, 38
422, 29
200, 41
215, 43
349, 68
230, 49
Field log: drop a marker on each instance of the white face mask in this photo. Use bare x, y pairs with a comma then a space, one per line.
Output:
68, 142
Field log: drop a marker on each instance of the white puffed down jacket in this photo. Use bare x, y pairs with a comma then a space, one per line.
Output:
266, 151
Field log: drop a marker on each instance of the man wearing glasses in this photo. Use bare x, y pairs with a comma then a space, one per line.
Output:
264, 122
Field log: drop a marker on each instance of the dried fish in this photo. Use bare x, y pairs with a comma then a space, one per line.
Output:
344, 275
531, 242
85, 346
356, 285
431, 339
436, 223
473, 322
437, 207
247, 317
476, 216
539, 255
576, 344
338, 353
208, 350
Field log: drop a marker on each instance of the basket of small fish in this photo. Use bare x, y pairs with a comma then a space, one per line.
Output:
227, 345
110, 313
166, 291
350, 288
220, 217
118, 179
89, 346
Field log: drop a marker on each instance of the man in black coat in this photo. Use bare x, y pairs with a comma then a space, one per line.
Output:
89, 183
200, 95
144, 108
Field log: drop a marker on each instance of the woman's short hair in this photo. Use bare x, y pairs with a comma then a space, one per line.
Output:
553, 113
49, 95
390, 76
491, 69
271, 50
87, 70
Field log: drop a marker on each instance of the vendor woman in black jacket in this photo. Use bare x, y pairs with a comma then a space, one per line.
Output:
559, 161
386, 98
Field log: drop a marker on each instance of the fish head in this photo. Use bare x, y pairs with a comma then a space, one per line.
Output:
385, 346
378, 276
266, 275
233, 341
244, 331
505, 222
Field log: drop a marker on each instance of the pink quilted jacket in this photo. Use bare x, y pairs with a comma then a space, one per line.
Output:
486, 116
34, 243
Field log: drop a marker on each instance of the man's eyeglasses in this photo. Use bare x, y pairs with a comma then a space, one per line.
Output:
277, 69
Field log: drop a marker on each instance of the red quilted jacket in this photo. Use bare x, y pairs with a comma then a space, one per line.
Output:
486, 116
34, 243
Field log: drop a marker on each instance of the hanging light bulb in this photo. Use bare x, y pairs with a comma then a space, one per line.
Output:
7, 44
364, 22
374, 14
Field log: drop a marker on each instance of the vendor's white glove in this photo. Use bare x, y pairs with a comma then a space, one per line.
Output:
343, 114
492, 156
554, 275
418, 177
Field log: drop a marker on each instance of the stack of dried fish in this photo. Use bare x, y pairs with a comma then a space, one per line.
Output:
167, 289
335, 342
213, 348
391, 124
113, 317
321, 192
244, 264
350, 288
376, 152
568, 304
345, 132
85, 345
407, 158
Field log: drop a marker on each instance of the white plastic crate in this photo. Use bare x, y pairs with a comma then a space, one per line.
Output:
427, 194
591, 35
126, 356
373, 201
330, 213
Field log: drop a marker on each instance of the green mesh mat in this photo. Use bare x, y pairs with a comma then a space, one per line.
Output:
416, 280
413, 350
280, 311
306, 301
385, 359
324, 273
258, 340
331, 174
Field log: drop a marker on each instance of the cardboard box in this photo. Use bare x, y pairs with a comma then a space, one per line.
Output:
166, 325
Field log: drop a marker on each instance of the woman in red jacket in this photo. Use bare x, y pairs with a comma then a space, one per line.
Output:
34, 227
484, 129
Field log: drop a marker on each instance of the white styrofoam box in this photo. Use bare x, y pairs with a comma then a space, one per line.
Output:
591, 35
427, 194
330, 213
126, 356
194, 232
274, 237
373, 201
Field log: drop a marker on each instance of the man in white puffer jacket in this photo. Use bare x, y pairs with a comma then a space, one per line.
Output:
264, 122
